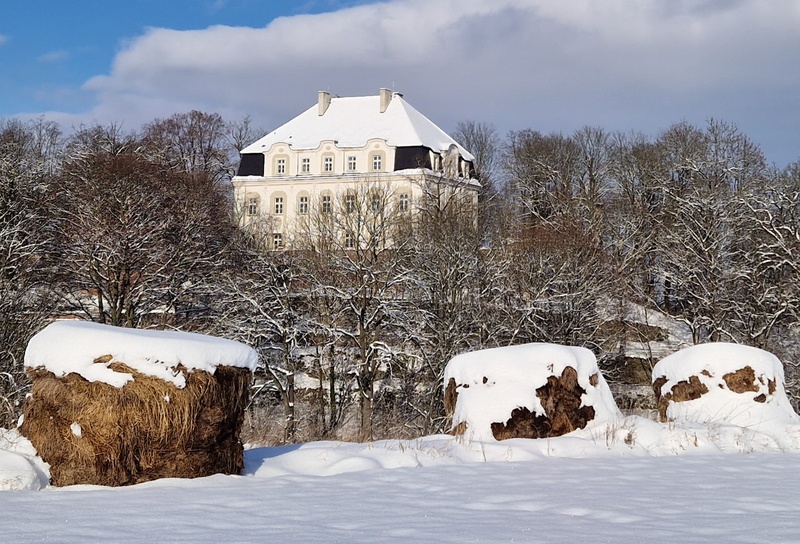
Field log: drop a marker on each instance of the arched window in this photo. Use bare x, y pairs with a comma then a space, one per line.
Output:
302, 204
252, 204
278, 206
326, 202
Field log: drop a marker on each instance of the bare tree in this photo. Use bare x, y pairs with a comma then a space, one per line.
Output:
135, 236
482, 141
194, 143
541, 172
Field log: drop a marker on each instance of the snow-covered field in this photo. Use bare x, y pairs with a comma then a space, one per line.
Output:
699, 478
639, 481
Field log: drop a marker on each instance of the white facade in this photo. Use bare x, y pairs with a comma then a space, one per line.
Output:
339, 146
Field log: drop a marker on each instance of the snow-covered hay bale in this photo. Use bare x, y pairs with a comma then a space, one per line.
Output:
115, 406
526, 391
721, 382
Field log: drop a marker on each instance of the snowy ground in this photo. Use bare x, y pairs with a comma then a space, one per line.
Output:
618, 480
661, 484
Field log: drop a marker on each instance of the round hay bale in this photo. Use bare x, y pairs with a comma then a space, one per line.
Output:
722, 382
110, 422
526, 391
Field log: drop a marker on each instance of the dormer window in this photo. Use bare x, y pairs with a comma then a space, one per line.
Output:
377, 162
327, 164
351, 163
280, 166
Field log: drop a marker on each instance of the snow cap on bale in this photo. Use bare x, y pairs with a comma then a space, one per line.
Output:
531, 390
88, 348
114, 406
722, 382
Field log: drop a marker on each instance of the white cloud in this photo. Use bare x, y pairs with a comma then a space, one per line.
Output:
543, 64
54, 56
3, 39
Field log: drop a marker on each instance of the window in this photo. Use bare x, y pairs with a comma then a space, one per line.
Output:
377, 205
403, 203
326, 204
302, 206
377, 162
277, 240
280, 166
252, 205
305, 165
278, 205
349, 240
351, 163
327, 164
350, 203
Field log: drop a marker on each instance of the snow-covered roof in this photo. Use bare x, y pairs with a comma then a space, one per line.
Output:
353, 121
70, 346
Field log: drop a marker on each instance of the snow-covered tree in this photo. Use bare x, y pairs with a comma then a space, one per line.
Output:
29, 152
360, 257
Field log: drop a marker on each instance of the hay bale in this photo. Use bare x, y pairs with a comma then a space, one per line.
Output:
110, 422
722, 382
526, 391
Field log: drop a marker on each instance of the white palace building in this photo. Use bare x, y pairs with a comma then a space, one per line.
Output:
312, 163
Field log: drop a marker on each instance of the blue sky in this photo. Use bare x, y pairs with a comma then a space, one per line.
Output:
49, 48
549, 65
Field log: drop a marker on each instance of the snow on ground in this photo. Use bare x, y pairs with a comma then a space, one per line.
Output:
635, 481
438, 490
20, 466
619, 480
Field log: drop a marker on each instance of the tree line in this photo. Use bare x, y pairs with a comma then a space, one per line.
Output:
139, 229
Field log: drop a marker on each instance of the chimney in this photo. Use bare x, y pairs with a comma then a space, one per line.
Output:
323, 102
386, 97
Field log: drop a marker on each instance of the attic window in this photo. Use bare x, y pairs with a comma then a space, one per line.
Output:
327, 164
305, 165
377, 162
351, 163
